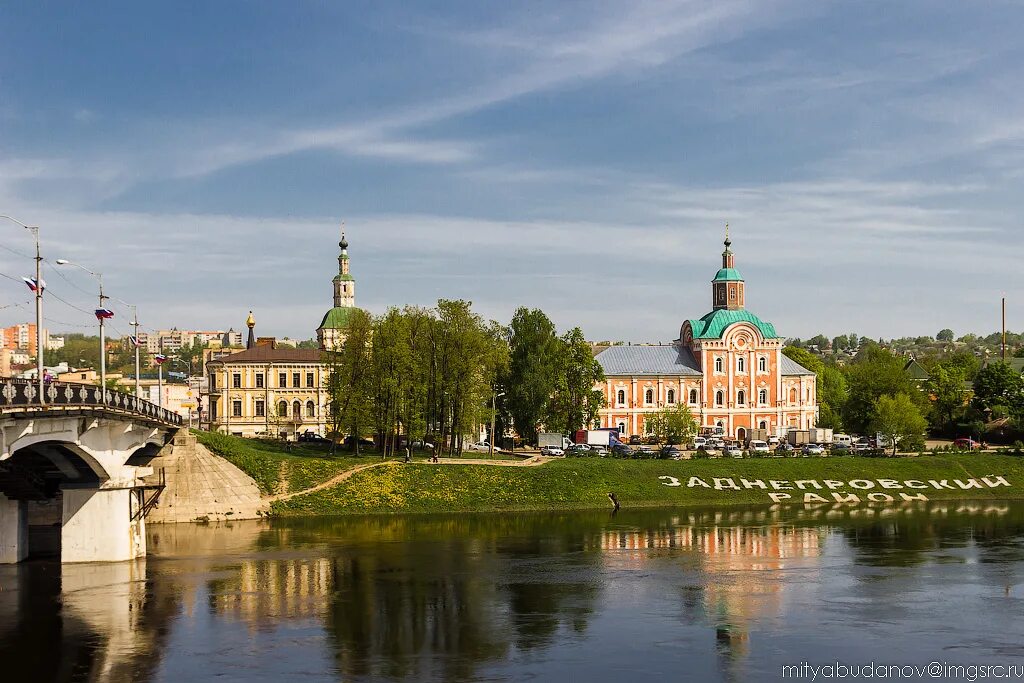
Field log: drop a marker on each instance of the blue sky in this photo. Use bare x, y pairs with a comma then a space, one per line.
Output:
582, 158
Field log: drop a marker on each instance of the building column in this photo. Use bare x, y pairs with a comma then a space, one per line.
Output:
13, 530
97, 526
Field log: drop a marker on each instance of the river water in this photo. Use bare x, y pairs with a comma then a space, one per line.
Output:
694, 594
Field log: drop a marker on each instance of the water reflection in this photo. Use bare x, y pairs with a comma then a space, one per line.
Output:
725, 594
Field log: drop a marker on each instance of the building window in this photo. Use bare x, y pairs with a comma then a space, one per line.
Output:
719, 366
296, 379
762, 425
693, 396
213, 406
792, 395
259, 380
260, 409
621, 396
671, 396
282, 379
236, 409
296, 411
622, 428
741, 364
649, 396
719, 398
310, 409
741, 398
213, 381
309, 380
762, 364
282, 409
236, 381
762, 396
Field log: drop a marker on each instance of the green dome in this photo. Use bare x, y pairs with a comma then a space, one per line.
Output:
339, 277
714, 324
728, 275
336, 318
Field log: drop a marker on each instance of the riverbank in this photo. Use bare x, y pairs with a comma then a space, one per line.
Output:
571, 484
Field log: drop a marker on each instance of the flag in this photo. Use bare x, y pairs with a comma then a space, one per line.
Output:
134, 341
104, 314
31, 282
159, 358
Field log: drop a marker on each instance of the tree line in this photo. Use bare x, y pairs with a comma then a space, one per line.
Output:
439, 374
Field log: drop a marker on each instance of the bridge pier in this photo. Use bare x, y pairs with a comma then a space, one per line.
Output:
102, 525
13, 530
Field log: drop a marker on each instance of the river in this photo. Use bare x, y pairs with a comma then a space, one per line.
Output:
686, 594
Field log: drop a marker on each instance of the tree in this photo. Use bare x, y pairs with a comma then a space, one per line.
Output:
820, 341
999, 386
575, 402
674, 425
945, 335
349, 402
946, 385
533, 369
832, 396
898, 419
804, 358
876, 372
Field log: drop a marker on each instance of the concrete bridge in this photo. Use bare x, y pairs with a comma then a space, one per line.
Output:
71, 470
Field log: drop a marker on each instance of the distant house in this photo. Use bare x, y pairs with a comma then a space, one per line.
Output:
916, 372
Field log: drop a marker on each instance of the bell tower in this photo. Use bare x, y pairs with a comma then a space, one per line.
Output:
727, 287
344, 283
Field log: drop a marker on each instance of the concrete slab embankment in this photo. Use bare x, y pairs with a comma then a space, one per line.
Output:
202, 486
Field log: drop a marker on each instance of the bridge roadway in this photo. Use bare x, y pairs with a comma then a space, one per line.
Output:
87, 450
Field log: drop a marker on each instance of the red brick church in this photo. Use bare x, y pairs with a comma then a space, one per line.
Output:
727, 366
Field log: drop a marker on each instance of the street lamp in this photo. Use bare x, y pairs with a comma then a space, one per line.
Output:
102, 313
38, 288
188, 382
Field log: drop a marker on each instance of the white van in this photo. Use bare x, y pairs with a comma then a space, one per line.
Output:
844, 439
759, 446
699, 442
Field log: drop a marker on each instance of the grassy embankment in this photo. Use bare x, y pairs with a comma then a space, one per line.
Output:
584, 483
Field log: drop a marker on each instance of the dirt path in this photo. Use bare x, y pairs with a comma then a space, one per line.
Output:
334, 481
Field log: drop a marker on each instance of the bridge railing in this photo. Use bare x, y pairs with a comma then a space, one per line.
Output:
19, 392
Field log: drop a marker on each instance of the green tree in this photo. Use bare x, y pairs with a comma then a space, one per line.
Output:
899, 420
819, 340
999, 386
876, 372
674, 425
350, 403
945, 335
533, 369
946, 386
833, 393
575, 402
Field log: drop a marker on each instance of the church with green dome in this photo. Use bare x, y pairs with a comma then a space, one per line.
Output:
331, 332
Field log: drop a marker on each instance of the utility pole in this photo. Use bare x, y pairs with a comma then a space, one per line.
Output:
1004, 327
101, 313
135, 324
40, 373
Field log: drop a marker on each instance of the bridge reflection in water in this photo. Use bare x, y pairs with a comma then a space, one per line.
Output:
495, 596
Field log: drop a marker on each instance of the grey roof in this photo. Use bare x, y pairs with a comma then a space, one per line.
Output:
791, 367
647, 360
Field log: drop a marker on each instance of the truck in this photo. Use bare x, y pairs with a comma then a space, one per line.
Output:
553, 439
598, 437
757, 435
799, 437
821, 435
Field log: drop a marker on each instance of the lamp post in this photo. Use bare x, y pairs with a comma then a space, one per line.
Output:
40, 374
494, 411
188, 382
160, 360
102, 313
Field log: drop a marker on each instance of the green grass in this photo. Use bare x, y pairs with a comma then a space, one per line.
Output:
584, 483
277, 470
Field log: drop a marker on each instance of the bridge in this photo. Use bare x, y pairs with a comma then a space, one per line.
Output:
72, 468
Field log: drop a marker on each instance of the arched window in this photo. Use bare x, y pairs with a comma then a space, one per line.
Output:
621, 397
762, 425
310, 409
296, 409
762, 364
671, 396
741, 364
622, 428
282, 409
792, 395
649, 396
741, 398
719, 398
718, 365
693, 396
762, 396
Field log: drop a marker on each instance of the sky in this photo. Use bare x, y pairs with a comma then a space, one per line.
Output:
581, 158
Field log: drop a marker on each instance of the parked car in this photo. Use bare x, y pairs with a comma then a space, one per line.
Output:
774, 441
733, 451
651, 440
813, 449
599, 451
553, 451
482, 447
579, 450
759, 446
645, 452
636, 440
861, 447
621, 450
967, 444
423, 445
784, 448
671, 453
841, 448
312, 437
